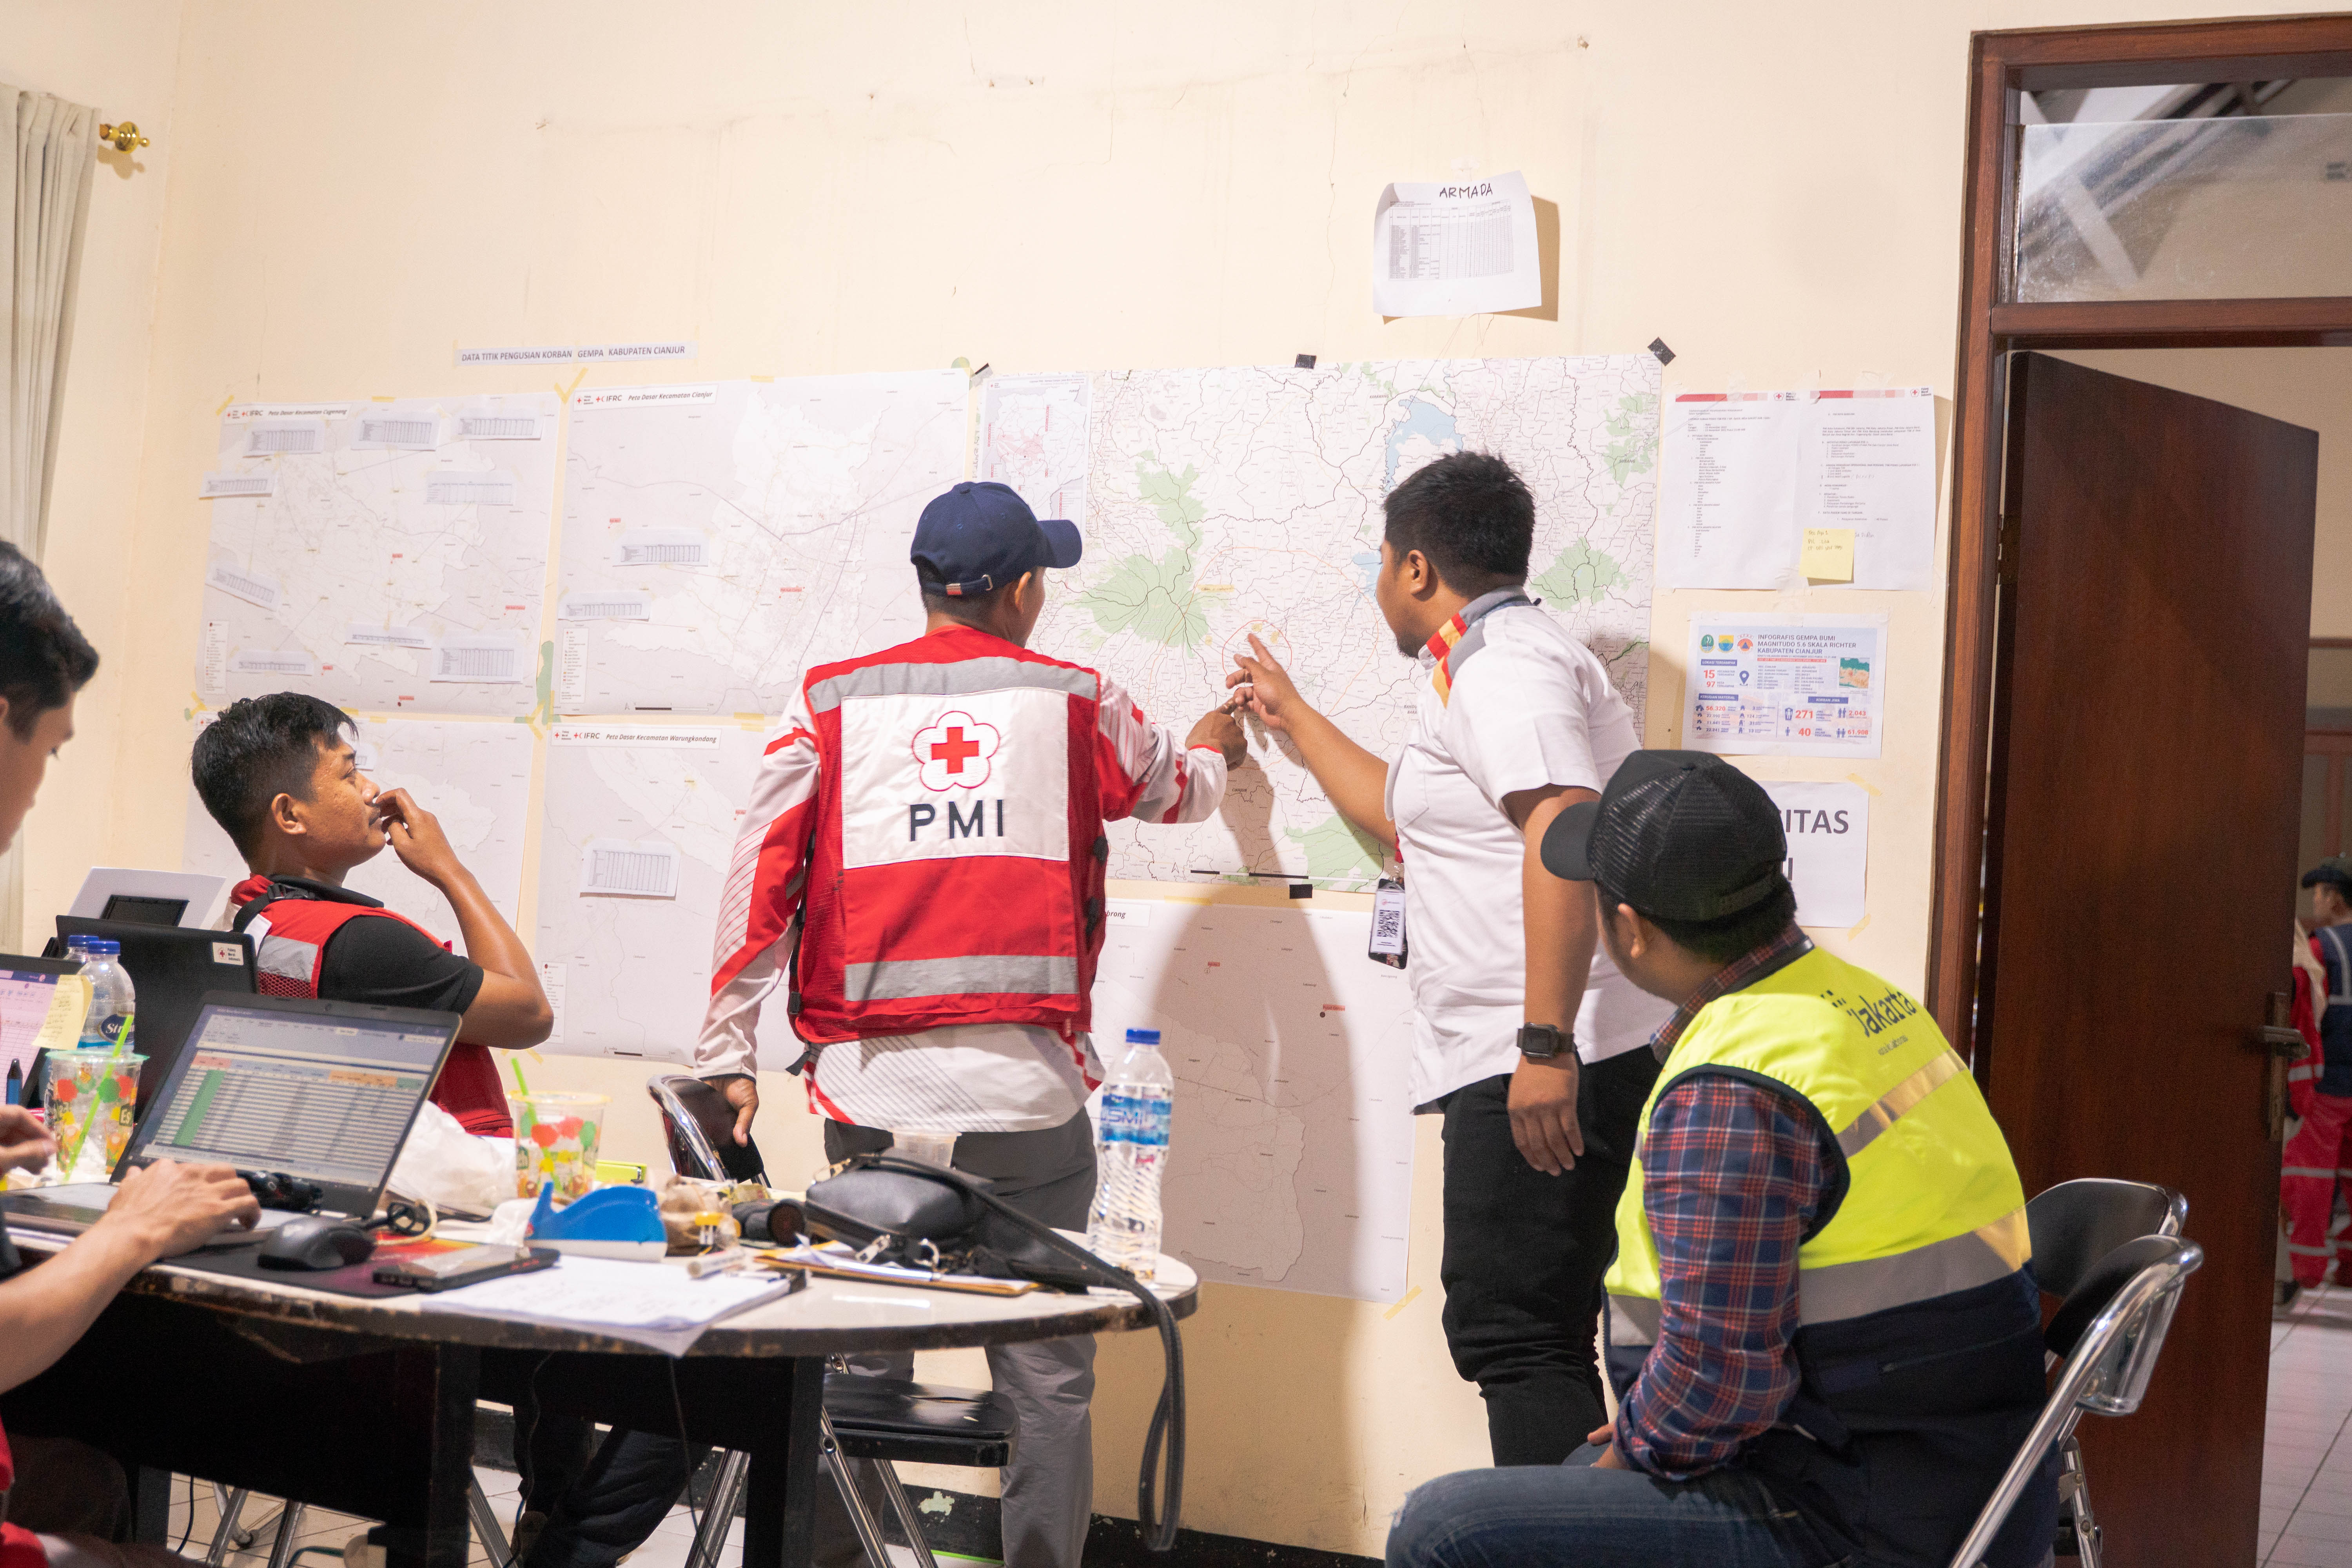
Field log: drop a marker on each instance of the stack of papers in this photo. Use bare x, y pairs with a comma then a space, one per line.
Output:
646, 1303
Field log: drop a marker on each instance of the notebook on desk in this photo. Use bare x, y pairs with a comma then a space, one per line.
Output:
324, 1092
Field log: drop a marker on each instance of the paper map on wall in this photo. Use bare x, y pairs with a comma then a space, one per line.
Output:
1291, 1157
719, 540
638, 828
475, 777
1220, 502
381, 556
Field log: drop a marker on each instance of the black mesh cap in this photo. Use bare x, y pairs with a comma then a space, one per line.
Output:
1680, 835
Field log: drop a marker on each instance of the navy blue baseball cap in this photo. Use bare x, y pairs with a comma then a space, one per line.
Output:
977, 536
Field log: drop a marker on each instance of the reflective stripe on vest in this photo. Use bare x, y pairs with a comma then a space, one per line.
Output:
958, 679
1933, 1204
282, 956
983, 974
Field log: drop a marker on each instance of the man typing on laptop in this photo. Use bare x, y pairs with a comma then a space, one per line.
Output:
55, 1490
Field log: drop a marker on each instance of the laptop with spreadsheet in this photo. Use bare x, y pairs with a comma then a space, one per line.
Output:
321, 1091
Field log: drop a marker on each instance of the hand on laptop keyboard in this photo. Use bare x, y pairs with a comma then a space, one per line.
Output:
24, 1143
175, 1207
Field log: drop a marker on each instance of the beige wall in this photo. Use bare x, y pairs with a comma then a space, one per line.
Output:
121, 60
1040, 186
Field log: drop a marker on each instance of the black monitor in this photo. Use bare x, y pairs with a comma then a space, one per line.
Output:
172, 968
143, 909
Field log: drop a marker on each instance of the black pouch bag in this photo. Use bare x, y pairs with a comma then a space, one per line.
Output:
916, 1214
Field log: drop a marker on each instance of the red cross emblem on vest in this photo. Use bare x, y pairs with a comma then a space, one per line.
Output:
955, 751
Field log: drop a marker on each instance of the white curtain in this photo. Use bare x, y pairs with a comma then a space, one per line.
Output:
45, 197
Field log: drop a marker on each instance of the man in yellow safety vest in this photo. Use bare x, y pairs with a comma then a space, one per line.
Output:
1824, 1328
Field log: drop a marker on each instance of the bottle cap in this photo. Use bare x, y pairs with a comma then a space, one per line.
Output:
103, 946
1143, 1036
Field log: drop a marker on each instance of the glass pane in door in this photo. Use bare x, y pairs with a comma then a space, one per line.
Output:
2247, 207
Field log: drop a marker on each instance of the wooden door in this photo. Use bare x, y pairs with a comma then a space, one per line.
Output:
2141, 878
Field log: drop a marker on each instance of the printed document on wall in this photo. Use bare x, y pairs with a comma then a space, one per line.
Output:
636, 837
1291, 1162
1748, 475
1455, 249
1868, 464
381, 556
1032, 436
1786, 686
720, 539
1728, 494
1828, 828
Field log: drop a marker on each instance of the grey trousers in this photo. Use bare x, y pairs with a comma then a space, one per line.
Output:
1049, 1487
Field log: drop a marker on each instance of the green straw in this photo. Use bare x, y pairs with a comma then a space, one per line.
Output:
515, 1062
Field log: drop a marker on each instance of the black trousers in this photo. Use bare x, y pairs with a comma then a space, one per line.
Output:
1524, 1254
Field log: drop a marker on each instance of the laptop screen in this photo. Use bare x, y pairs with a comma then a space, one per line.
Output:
325, 1099
25, 997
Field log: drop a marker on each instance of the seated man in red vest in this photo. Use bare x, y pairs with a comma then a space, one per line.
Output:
279, 775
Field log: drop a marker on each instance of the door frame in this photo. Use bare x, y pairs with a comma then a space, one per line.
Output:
2001, 67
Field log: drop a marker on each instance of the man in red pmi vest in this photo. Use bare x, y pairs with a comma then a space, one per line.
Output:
280, 774
921, 866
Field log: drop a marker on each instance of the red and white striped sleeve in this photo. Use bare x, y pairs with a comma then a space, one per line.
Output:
1147, 771
765, 881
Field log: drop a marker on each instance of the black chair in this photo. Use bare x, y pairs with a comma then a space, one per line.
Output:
2075, 1225
2108, 1332
869, 1423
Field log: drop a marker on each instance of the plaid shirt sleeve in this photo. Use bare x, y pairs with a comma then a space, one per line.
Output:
1735, 1174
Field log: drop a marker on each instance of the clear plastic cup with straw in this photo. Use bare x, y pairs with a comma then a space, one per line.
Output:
556, 1137
89, 1099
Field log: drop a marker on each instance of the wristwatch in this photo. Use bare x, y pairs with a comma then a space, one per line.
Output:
1542, 1042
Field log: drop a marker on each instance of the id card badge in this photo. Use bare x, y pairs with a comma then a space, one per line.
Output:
1388, 942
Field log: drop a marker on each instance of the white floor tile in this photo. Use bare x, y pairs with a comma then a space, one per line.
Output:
2304, 1552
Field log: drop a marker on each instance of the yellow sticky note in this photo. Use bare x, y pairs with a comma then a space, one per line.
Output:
1829, 555
68, 1004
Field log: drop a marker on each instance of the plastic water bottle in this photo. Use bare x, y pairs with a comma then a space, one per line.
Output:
1130, 1150
112, 1002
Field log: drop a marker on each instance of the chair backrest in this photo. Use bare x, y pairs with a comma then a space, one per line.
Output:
2136, 1290
700, 1126
2075, 1224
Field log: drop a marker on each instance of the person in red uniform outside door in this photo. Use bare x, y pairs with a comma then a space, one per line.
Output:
278, 773
66, 1504
2319, 1091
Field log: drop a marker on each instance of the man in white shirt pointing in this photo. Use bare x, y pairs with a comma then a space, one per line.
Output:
1529, 1044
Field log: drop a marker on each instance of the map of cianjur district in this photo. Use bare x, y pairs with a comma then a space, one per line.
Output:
397, 561
720, 539
1227, 501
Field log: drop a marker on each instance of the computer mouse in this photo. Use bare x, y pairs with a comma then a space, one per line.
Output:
316, 1241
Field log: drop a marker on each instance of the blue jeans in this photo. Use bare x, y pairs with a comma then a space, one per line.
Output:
1575, 1516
